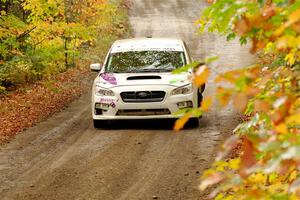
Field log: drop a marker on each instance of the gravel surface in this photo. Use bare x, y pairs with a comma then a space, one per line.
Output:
65, 158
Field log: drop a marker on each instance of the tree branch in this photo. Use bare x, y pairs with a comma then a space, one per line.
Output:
25, 33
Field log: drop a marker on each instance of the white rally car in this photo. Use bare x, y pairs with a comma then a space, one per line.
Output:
136, 81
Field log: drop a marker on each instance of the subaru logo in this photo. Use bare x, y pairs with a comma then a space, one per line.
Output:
142, 94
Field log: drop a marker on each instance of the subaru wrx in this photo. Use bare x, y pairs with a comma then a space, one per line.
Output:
136, 81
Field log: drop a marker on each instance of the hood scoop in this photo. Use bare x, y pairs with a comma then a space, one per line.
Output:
143, 77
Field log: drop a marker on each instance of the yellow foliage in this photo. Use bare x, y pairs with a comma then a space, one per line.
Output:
294, 174
234, 163
293, 119
281, 128
258, 178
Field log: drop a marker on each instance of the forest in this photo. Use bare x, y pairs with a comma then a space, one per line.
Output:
42, 38
45, 51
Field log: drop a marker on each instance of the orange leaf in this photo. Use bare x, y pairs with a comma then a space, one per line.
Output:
223, 95
277, 117
286, 166
257, 45
240, 101
242, 27
230, 76
179, 124
201, 75
293, 18
261, 106
268, 12
281, 128
252, 91
206, 104
248, 158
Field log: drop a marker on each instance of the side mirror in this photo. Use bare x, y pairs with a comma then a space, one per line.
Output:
95, 67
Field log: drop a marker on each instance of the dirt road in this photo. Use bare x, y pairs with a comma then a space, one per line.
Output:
66, 158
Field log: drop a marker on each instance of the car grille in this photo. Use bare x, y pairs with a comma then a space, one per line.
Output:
143, 112
143, 96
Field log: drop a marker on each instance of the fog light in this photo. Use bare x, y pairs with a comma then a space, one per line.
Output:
102, 106
185, 104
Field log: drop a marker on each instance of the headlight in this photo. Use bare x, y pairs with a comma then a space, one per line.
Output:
187, 89
103, 92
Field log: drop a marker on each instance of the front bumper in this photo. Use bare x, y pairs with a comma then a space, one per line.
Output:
118, 109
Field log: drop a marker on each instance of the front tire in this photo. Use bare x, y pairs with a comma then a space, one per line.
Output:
193, 123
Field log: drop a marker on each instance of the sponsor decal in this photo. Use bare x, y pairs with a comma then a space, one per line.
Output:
110, 78
108, 101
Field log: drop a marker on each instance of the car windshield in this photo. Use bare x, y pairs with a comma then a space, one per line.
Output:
145, 61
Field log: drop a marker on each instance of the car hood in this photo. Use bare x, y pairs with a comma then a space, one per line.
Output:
111, 80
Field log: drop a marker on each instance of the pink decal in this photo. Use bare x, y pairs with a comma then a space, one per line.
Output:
107, 101
110, 78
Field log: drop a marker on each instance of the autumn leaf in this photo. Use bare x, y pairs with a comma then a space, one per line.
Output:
201, 75
261, 106
179, 124
293, 18
240, 101
277, 117
293, 119
281, 128
234, 163
290, 58
242, 26
206, 104
268, 12
247, 158
257, 45
252, 91
223, 95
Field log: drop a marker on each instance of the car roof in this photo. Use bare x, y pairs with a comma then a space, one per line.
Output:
144, 44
